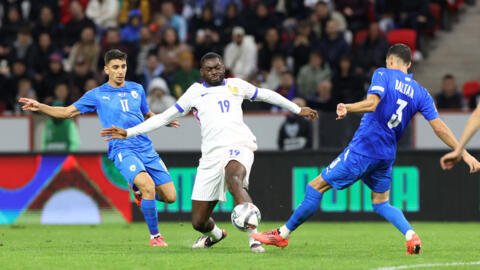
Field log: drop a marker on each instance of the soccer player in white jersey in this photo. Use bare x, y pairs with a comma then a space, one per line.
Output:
450, 159
227, 143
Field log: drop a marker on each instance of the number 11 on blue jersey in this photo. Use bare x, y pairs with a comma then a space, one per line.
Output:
124, 103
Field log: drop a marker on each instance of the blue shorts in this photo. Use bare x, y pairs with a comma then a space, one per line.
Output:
348, 167
131, 163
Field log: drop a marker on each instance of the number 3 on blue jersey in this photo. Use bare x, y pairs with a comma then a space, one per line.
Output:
224, 106
397, 117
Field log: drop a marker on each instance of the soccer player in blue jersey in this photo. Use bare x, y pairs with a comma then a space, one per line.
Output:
123, 103
392, 100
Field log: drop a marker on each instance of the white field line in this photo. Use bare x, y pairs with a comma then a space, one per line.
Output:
427, 265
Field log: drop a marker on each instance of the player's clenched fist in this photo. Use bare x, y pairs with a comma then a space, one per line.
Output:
30, 104
341, 111
114, 133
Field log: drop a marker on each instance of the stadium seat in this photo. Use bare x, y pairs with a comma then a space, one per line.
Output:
360, 36
371, 13
406, 36
456, 5
2, 106
436, 12
470, 88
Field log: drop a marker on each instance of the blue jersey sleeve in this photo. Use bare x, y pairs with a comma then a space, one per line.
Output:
427, 107
379, 83
143, 105
87, 103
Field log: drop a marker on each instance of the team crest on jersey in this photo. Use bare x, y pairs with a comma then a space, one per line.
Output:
233, 89
133, 167
134, 94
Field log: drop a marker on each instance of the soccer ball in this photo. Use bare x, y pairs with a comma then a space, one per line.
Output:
246, 216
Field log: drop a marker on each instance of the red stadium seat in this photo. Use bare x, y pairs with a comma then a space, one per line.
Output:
2, 106
405, 36
371, 13
436, 12
360, 36
456, 5
470, 88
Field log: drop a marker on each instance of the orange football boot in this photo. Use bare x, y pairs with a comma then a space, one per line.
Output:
158, 242
271, 238
414, 245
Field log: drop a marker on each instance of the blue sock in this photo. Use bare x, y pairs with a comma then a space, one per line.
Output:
305, 210
149, 209
393, 215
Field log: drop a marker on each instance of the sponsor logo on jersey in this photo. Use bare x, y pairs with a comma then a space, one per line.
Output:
134, 94
106, 97
122, 94
233, 89
133, 167
204, 94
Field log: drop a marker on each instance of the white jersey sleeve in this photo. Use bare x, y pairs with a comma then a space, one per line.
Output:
186, 102
154, 122
275, 98
253, 93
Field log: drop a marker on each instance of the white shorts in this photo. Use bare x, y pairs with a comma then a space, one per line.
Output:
210, 183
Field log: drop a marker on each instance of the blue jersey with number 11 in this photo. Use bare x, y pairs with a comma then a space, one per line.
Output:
123, 107
401, 98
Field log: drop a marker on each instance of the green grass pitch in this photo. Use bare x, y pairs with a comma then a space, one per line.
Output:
315, 245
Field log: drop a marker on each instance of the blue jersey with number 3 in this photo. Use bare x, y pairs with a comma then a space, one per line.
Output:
401, 98
123, 107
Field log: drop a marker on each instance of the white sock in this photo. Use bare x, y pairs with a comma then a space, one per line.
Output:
250, 238
215, 234
156, 235
284, 232
409, 234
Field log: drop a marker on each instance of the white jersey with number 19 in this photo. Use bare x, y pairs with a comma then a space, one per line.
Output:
225, 136
219, 111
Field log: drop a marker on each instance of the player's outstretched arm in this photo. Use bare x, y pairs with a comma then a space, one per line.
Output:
367, 105
113, 133
56, 112
174, 124
274, 98
445, 134
449, 160
150, 124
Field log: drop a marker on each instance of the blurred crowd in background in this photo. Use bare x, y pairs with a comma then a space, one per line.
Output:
315, 52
